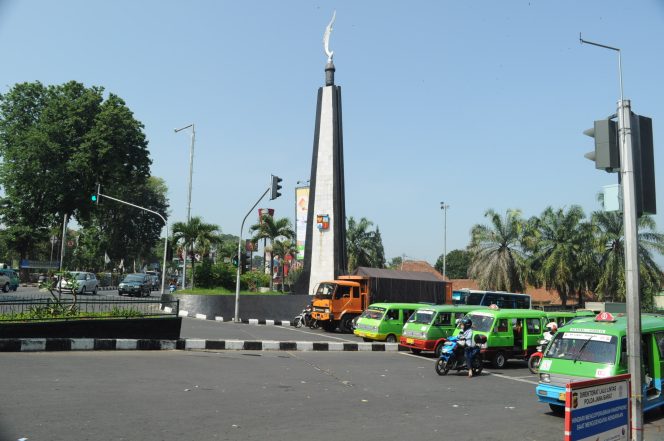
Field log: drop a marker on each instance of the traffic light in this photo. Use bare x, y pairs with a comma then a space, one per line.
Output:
606, 155
247, 262
243, 263
95, 197
275, 187
644, 165
234, 260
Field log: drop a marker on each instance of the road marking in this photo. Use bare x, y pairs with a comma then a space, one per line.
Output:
318, 334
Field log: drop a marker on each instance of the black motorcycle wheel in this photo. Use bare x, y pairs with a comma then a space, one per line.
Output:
443, 367
314, 324
298, 322
533, 363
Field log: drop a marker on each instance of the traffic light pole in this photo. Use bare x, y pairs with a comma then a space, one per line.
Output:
631, 267
163, 270
632, 297
239, 250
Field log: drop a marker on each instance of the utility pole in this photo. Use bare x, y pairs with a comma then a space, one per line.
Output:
444, 207
191, 171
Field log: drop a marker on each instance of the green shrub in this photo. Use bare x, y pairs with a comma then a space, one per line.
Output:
209, 275
254, 280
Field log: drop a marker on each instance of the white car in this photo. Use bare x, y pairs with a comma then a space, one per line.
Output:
86, 282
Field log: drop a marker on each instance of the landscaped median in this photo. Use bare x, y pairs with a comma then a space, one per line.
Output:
109, 344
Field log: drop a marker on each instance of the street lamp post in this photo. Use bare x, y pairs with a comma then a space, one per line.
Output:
444, 207
191, 170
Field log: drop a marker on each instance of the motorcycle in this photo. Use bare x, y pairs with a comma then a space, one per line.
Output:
536, 357
452, 356
304, 319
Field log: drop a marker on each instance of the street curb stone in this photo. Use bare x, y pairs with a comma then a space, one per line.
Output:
111, 344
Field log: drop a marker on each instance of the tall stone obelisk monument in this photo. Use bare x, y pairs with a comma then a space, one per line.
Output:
325, 249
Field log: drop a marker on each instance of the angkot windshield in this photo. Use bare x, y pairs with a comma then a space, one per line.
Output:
374, 313
423, 317
581, 346
481, 323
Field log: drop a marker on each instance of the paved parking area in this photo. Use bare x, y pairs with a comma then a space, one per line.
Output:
236, 395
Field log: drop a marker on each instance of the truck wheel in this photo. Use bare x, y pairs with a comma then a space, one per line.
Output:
499, 360
391, 338
5, 288
345, 324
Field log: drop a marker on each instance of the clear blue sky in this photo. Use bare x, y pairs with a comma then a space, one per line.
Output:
479, 104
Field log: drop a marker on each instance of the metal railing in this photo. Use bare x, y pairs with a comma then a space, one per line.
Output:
49, 309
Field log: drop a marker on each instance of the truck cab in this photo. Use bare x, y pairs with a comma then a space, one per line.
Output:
337, 302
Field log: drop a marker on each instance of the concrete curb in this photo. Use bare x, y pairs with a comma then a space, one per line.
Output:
112, 344
267, 322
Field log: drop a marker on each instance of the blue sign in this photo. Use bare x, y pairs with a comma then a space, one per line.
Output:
598, 410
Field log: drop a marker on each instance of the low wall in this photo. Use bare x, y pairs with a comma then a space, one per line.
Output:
166, 328
261, 307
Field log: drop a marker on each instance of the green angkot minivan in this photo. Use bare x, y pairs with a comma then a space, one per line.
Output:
510, 333
429, 327
596, 347
384, 321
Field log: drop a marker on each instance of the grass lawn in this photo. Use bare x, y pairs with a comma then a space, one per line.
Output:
224, 291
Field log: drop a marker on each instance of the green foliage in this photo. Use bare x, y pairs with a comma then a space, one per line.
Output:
211, 275
456, 264
273, 229
253, 280
499, 262
195, 236
57, 143
363, 246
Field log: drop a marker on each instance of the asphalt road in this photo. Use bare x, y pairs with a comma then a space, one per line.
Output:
229, 395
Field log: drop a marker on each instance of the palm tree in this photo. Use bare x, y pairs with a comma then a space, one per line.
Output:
195, 235
561, 251
272, 229
364, 247
610, 247
282, 249
498, 261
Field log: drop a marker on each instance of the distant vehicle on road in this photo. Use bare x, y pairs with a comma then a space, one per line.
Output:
154, 280
136, 284
13, 278
87, 282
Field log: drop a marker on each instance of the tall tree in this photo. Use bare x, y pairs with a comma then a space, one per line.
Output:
57, 143
272, 229
195, 236
561, 246
609, 243
456, 264
499, 262
364, 247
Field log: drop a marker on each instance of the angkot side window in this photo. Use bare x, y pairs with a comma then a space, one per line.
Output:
533, 325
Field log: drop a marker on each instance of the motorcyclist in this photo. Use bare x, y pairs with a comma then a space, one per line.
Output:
467, 337
552, 328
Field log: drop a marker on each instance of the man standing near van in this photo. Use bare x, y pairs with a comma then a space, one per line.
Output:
467, 336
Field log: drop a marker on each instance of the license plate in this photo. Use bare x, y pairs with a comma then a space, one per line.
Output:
410, 341
561, 396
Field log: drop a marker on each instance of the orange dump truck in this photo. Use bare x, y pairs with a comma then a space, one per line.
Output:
337, 302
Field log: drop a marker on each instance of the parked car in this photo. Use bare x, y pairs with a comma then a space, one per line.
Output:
5, 283
136, 284
87, 282
13, 279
